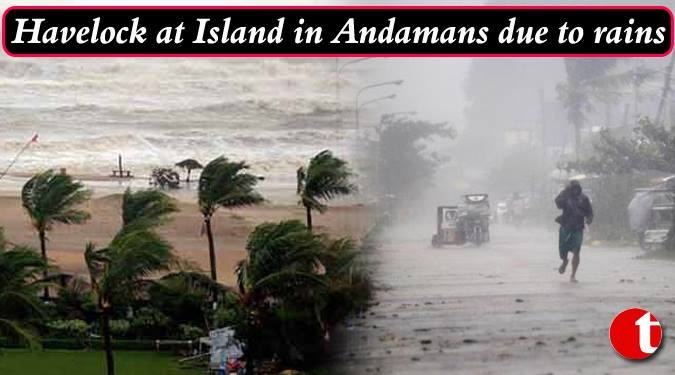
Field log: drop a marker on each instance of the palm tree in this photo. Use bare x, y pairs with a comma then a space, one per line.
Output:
282, 287
136, 252
325, 178
117, 271
224, 184
184, 297
276, 251
51, 198
294, 284
189, 165
146, 208
20, 270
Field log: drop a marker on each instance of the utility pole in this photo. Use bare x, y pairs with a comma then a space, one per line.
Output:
635, 94
666, 90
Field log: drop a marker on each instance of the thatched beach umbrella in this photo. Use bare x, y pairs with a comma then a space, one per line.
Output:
189, 164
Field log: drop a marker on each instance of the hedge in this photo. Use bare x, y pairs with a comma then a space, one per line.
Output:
97, 344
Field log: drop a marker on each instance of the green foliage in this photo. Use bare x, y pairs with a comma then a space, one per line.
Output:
226, 184
275, 251
75, 301
325, 178
149, 323
650, 148
185, 297
120, 327
294, 285
97, 344
51, 198
610, 196
20, 270
404, 163
188, 332
146, 208
75, 328
118, 269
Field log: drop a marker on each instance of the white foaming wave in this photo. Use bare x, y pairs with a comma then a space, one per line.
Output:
275, 152
156, 112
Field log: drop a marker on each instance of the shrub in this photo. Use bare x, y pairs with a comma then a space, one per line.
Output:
74, 301
188, 332
70, 328
295, 285
149, 323
119, 328
610, 196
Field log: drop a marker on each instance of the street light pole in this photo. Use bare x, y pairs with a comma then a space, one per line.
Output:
392, 96
338, 70
397, 82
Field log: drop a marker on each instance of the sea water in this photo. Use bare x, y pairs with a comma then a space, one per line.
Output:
273, 113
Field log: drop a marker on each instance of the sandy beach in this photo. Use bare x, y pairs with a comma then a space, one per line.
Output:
231, 228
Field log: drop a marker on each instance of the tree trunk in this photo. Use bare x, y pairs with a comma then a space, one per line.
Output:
188, 178
107, 341
309, 218
212, 250
43, 249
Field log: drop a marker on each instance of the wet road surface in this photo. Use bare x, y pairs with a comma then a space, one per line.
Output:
503, 309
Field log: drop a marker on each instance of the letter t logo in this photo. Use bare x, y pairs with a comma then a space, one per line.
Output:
645, 323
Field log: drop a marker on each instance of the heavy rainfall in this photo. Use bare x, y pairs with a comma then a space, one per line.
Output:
467, 161
368, 215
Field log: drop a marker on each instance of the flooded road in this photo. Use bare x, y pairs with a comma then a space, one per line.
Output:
503, 309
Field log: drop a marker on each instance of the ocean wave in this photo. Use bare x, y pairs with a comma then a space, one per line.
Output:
19, 69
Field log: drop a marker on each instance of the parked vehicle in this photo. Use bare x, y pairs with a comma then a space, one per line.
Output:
651, 215
468, 222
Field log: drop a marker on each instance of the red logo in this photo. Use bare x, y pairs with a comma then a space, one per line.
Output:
635, 334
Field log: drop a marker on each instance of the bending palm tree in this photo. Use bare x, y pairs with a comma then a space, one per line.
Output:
280, 277
189, 165
20, 271
146, 208
224, 184
51, 198
135, 253
117, 270
294, 285
325, 178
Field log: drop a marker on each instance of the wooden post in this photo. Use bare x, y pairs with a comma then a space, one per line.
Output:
119, 163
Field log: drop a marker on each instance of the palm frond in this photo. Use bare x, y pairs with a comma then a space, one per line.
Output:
325, 178
284, 280
50, 198
226, 184
146, 208
131, 257
14, 330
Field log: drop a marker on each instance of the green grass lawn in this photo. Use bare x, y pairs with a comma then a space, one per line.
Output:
67, 362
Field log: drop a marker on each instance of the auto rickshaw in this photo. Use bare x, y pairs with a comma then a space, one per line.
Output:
651, 214
468, 222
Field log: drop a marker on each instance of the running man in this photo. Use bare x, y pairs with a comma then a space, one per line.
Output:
576, 208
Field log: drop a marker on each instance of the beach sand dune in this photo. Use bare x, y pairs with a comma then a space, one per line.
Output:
231, 228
